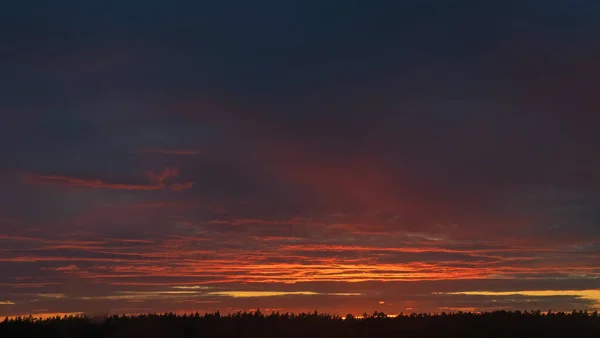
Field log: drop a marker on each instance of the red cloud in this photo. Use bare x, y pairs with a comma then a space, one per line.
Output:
161, 176
88, 183
180, 187
157, 181
67, 268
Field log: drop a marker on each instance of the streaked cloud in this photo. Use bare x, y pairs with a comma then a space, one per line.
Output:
145, 295
50, 295
159, 177
252, 294
181, 186
184, 152
157, 181
191, 287
87, 183
593, 295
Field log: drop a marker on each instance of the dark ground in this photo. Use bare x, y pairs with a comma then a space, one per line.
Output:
493, 324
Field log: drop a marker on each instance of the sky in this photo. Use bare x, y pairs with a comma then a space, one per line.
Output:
340, 156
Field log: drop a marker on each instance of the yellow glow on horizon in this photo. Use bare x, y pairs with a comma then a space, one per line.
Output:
191, 287
362, 317
593, 295
248, 294
51, 295
46, 315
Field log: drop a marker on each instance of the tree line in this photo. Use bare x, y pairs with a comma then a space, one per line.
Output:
505, 324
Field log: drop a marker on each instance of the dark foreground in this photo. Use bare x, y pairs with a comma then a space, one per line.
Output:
494, 324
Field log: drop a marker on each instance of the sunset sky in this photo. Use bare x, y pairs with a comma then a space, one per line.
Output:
340, 156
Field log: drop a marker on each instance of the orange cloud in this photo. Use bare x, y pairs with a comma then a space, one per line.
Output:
188, 260
68, 268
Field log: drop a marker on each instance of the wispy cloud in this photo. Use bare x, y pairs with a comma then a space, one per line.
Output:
68, 268
183, 152
593, 295
156, 181
146, 295
181, 186
51, 295
253, 294
160, 177
191, 287
87, 183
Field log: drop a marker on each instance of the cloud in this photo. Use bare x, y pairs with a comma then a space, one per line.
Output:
87, 183
51, 295
161, 176
157, 181
253, 294
181, 186
191, 287
146, 295
247, 221
592, 295
183, 152
67, 268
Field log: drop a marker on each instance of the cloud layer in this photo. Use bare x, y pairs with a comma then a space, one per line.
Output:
346, 157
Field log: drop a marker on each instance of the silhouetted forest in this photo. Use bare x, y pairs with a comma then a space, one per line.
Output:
503, 324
